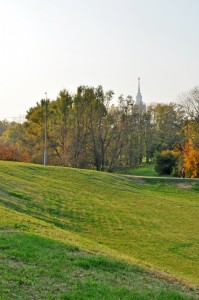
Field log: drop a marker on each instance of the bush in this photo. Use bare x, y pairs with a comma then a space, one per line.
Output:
12, 153
165, 162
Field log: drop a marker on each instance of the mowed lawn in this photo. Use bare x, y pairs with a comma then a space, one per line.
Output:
151, 224
144, 169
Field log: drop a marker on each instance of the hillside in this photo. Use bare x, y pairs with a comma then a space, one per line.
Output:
109, 226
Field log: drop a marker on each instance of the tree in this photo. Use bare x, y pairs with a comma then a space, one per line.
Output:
189, 101
191, 149
34, 132
3, 126
167, 120
114, 151
14, 134
191, 161
80, 155
59, 129
132, 141
99, 126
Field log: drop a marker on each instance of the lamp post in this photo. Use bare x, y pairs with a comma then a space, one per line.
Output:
45, 131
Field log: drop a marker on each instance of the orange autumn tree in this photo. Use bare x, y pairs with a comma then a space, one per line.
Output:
191, 160
191, 150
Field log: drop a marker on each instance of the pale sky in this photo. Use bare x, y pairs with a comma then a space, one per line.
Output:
48, 45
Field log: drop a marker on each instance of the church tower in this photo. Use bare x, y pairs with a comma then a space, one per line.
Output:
139, 95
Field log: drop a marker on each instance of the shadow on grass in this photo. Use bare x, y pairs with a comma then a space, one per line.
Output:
33, 267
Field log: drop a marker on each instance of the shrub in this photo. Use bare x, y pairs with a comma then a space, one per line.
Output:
165, 162
13, 153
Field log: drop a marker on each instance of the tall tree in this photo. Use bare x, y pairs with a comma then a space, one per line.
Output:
168, 121
59, 133
34, 131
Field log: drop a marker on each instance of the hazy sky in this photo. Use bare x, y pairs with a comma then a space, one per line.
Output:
48, 45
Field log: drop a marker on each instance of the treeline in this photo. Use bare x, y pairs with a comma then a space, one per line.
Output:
84, 130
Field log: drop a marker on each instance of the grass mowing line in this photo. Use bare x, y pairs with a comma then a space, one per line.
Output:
43, 230
20, 223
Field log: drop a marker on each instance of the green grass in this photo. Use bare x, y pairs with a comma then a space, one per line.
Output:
142, 170
39, 268
119, 234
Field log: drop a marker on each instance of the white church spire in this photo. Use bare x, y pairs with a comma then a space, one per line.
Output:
139, 95
138, 84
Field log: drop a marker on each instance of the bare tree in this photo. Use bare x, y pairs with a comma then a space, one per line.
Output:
189, 101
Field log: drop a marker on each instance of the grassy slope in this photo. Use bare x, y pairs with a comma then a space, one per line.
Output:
38, 268
155, 225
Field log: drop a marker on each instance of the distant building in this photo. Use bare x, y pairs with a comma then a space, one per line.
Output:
141, 105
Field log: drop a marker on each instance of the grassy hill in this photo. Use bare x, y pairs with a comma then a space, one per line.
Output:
79, 234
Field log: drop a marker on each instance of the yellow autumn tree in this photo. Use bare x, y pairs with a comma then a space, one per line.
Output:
191, 151
191, 160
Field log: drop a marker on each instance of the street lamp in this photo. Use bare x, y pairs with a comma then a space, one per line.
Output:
45, 132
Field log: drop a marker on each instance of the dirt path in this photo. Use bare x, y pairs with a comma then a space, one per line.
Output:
185, 183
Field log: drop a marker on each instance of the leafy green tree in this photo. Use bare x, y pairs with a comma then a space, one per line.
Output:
34, 131
99, 125
14, 134
59, 128
167, 121
80, 156
116, 140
